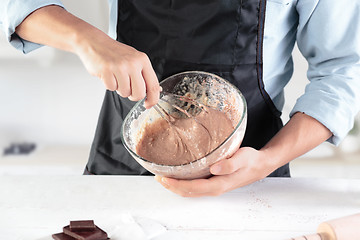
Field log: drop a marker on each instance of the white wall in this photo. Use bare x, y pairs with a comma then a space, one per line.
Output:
47, 96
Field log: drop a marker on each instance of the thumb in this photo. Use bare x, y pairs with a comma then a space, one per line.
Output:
234, 163
225, 166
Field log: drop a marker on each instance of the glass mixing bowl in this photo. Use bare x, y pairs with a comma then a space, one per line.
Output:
206, 88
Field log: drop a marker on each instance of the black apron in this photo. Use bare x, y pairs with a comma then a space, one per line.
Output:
223, 37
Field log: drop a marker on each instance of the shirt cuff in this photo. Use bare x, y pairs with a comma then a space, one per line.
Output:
14, 13
335, 112
113, 7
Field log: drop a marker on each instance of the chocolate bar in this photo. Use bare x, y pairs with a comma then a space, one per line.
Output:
62, 236
97, 234
84, 225
81, 230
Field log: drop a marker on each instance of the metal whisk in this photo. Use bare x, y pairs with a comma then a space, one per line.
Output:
176, 102
182, 99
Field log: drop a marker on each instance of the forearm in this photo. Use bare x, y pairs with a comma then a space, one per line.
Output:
301, 134
121, 67
54, 26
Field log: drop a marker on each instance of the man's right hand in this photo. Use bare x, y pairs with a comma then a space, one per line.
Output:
121, 67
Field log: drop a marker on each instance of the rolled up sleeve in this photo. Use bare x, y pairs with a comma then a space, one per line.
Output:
329, 38
13, 12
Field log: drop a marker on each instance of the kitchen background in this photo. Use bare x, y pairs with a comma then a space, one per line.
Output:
48, 100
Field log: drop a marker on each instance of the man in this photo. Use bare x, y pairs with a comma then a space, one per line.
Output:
247, 42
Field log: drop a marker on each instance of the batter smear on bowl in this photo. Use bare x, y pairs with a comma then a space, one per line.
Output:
186, 139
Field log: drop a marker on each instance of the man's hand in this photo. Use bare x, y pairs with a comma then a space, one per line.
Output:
122, 68
246, 166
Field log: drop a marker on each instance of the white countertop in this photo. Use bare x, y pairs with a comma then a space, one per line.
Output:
34, 207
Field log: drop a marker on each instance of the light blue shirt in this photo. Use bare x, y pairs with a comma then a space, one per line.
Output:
326, 31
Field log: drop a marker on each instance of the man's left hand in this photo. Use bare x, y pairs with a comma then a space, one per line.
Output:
246, 166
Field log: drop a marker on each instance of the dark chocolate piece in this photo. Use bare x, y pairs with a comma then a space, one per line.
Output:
84, 225
97, 234
62, 236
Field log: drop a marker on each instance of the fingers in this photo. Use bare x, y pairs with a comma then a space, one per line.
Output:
138, 88
123, 84
152, 86
213, 186
121, 67
137, 79
226, 166
109, 80
246, 166
238, 161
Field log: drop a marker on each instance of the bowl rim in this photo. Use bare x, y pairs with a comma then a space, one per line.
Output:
244, 114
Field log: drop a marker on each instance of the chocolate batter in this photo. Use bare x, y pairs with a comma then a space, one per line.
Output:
186, 139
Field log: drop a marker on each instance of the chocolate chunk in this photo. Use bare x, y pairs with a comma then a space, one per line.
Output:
96, 234
84, 225
62, 236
